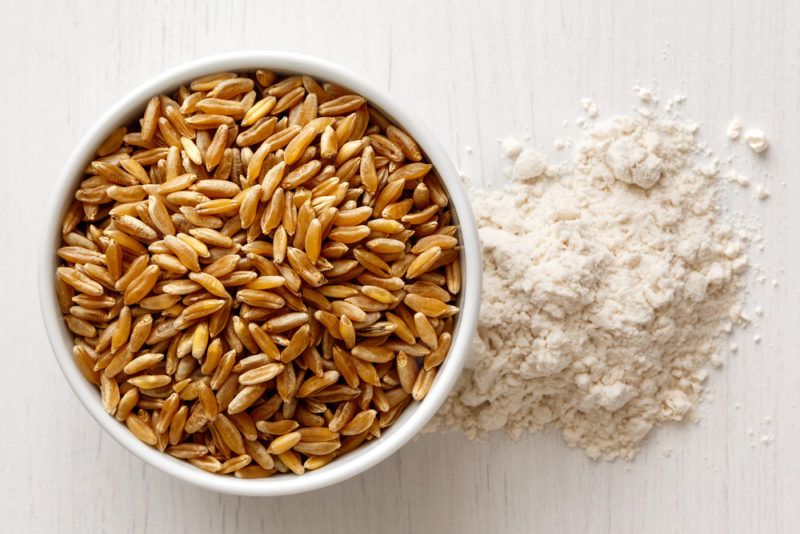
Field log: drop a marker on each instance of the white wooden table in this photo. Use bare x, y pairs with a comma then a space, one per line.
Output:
473, 71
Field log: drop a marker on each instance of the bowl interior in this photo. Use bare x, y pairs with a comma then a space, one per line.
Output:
416, 414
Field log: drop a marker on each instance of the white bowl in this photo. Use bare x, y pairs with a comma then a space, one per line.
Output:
412, 419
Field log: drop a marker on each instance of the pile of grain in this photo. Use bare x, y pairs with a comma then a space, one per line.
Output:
258, 274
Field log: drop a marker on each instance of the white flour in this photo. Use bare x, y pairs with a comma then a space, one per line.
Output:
606, 290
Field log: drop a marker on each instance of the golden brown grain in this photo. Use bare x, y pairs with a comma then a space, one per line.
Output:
341, 106
206, 463
430, 307
141, 429
259, 273
261, 374
126, 404
109, 394
150, 381
150, 118
317, 448
292, 460
425, 330
235, 464
142, 363
288, 100
188, 450
283, 443
360, 423
277, 428
423, 383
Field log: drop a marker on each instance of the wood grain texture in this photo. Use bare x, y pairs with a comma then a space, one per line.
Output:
473, 71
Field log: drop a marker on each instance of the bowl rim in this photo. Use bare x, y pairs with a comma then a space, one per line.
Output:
415, 417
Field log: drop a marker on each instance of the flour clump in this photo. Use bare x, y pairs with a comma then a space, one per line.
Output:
756, 140
734, 129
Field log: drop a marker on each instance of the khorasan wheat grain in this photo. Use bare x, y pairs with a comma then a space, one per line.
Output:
259, 273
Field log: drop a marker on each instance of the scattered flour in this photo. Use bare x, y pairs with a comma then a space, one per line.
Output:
606, 290
765, 435
738, 178
645, 94
589, 107
675, 100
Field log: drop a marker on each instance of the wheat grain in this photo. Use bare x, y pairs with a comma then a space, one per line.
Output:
423, 383
277, 428
188, 450
141, 429
291, 460
425, 330
226, 246
284, 443
373, 354
342, 105
231, 87
430, 307
360, 423
261, 374
438, 354
288, 100
235, 464
317, 448
109, 394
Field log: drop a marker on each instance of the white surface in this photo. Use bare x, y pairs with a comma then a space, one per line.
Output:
473, 72
411, 421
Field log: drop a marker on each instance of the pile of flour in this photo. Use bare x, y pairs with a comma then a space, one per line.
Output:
607, 286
